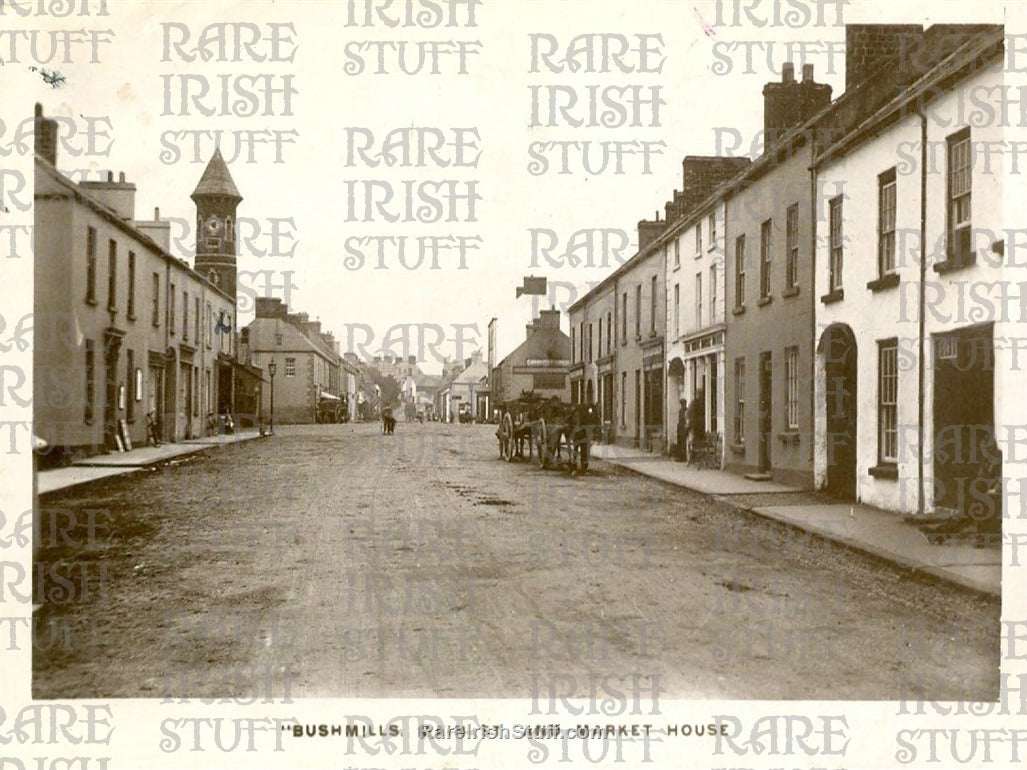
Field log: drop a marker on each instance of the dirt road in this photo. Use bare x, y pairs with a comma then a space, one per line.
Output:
331, 560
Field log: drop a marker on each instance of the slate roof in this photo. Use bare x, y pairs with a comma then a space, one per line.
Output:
216, 179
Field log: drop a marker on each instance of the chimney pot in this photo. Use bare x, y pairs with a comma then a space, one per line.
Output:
788, 72
807, 73
121, 176
110, 176
156, 214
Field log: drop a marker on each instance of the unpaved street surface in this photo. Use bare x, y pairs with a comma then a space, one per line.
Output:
330, 560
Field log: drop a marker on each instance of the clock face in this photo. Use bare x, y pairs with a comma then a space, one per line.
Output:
213, 225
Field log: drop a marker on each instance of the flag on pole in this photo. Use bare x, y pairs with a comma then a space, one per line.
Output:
532, 285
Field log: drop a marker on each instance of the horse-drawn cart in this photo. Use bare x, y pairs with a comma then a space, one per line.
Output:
547, 426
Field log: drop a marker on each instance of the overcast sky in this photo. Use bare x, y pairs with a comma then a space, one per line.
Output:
494, 99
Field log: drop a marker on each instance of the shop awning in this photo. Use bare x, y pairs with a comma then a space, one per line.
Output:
328, 396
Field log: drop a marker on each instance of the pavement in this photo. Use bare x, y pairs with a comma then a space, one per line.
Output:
886, 535
120, 463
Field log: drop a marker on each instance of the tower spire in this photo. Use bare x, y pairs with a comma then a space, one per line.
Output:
216, 179
216, 198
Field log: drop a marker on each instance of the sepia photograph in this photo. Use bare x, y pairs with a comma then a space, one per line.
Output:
506, 383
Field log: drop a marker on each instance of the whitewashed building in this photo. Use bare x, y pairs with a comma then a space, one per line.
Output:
910, 324
696, 324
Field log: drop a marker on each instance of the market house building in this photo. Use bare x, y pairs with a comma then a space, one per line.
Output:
122, 327
909, 416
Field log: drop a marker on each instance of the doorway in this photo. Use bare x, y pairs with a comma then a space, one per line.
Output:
967, 461
838, 347
766, 409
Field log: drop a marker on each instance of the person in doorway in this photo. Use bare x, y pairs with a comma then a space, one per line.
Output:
682, 431
696, 426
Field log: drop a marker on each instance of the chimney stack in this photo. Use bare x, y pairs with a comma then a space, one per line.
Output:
650, 230
157, 230
869, 47
45, 138
789, 104
119, 196
548, 319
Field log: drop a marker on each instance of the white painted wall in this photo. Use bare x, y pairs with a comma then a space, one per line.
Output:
893, 312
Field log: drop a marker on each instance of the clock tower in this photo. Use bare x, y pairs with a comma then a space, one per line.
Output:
216, 199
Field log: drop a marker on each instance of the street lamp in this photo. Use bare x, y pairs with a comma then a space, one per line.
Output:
272, 367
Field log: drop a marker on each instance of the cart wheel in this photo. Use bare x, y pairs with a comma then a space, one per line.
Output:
511, 442
542, 444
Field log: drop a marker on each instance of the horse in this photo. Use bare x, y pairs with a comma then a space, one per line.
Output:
580, 429
388, 422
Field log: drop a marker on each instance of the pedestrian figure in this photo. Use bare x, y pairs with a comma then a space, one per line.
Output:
682, 445
152, 430
696, 425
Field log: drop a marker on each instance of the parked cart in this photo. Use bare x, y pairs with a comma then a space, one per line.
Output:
547, 427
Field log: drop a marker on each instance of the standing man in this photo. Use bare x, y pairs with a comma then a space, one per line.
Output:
696, 421
682, 445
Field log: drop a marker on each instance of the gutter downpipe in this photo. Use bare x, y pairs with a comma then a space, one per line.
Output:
920, 502
814, 213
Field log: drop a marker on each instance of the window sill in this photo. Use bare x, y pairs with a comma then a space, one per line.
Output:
91, 301
130, 317
888, 281
950, 264
763, 301
884, 471
789, 437
836, 295
738, 310
791, 291
738, 448
677, 266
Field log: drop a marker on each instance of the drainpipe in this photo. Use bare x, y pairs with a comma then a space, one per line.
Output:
165, 422
813, 211
920, 313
